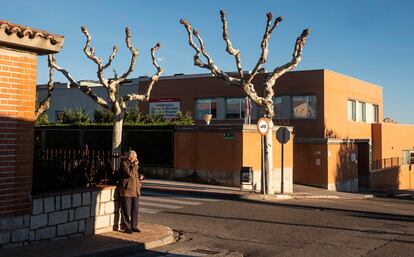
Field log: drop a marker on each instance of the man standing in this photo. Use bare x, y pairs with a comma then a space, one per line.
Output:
129, 192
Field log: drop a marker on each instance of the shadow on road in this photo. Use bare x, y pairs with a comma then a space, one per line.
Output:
387, 231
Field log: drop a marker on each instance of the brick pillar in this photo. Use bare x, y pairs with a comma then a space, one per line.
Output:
17, 106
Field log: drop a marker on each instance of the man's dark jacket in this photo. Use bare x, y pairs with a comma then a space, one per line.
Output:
129, 183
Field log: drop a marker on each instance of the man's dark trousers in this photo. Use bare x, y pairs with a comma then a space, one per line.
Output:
129, 207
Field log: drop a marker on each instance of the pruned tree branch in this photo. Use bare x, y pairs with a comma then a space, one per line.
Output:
246, 84
197, 60
154, 79
210, 62
215, 71
296, 58
111, 57
230, 49
251, 92
45, 104
279, 71
134, 56
264, 45
73, 83
90, 53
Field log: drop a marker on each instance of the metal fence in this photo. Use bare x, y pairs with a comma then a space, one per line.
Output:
70, 168
385, 163
153, 144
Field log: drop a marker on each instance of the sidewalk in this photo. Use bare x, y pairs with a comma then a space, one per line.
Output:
102, 245
299, 191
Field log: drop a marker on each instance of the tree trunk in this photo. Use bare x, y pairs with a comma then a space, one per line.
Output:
117, 140
270, 180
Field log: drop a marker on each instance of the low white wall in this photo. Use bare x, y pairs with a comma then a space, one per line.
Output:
61, 216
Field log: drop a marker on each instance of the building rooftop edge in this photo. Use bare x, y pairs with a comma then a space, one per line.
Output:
206, 75
341, 74
28, 39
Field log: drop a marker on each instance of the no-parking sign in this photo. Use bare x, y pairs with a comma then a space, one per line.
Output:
263, 126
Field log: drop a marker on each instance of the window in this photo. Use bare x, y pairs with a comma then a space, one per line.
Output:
407, 157
235, 108
277, 102
304, 107
375, 112
206, 106
282, 107
351, 110
361, 112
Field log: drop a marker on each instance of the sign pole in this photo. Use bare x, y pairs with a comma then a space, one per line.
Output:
263, 166
263, 127
283, 136
282, 178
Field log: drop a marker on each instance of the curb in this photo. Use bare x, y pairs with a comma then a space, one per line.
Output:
250, 196
259, 197
134, 248
219, 195
283, 197
163, 241
358, 197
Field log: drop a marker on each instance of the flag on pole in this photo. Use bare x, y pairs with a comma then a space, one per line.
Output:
248, 110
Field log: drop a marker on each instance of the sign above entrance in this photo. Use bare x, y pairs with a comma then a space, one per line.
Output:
263, 126
168, 107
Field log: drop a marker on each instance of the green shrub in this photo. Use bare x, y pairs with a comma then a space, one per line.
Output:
134, 116
75, 117
157, 118
42, 119
102, 116
183, 119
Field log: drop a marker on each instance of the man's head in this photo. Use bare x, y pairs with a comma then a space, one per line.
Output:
131, 155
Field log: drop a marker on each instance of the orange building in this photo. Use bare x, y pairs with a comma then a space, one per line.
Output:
337, 121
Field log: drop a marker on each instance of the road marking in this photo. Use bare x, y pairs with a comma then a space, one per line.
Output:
148, 210
155, 202
402, 195
173, 195
163, 200
161, 205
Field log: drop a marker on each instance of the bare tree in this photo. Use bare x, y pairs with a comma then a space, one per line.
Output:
114, 103
45, 103
244, 80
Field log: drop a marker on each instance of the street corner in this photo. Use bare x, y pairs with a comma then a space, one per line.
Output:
271, 198
201, 251
151, 235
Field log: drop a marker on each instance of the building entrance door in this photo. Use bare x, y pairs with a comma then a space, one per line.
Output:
363, 165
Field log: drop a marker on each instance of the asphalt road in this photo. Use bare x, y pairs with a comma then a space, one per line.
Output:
334, 227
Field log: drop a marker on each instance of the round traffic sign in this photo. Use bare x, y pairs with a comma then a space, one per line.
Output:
263, 126
283, 135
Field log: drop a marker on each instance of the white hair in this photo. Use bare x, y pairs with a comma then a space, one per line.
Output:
131, 153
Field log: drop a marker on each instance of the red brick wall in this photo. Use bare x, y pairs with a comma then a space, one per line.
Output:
17, 104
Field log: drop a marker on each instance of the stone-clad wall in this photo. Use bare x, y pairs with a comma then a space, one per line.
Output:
61, 216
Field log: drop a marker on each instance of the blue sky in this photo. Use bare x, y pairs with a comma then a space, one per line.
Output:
367, 39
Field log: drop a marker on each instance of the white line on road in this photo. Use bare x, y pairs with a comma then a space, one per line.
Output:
148, 210
168, 200
161, 205
192, 198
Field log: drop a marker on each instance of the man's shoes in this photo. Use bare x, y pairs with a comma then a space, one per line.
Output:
136, 230
128, 231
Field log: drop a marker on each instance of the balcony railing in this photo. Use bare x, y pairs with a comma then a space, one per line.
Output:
385, 163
